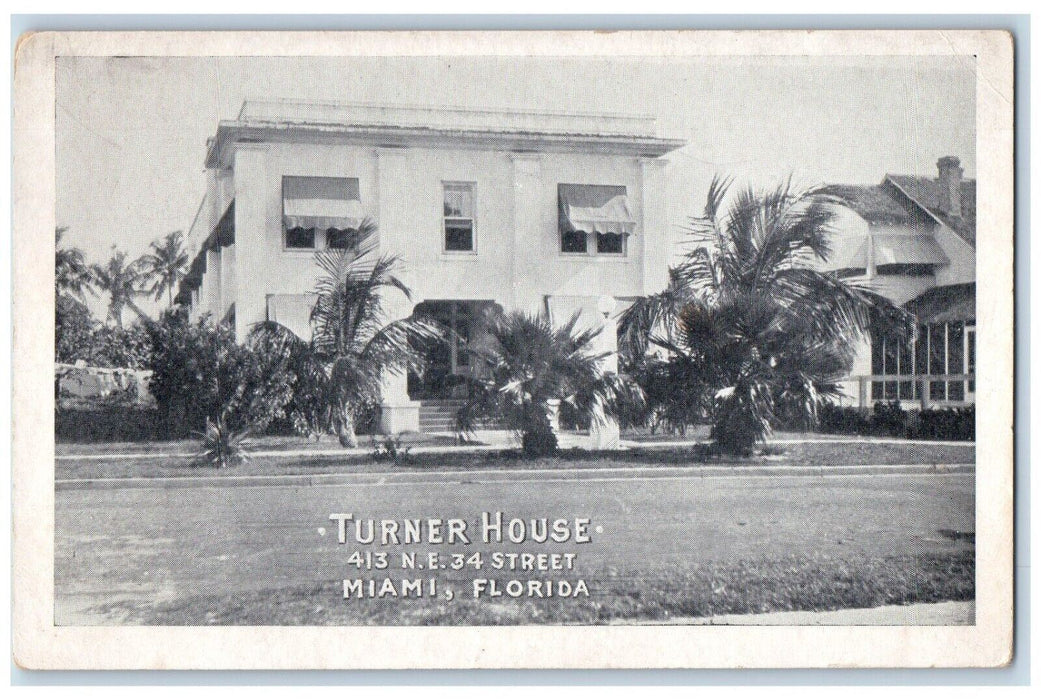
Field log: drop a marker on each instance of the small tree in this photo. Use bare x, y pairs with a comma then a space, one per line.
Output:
353, 342
201, 376
531, 363
752, 326
310, 407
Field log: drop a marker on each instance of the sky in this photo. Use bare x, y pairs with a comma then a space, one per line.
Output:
131, 132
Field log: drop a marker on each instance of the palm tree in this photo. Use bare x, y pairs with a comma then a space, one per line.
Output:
123, 281
71, 274
756, 331
73, 324
352, 339
531, 363
166, 264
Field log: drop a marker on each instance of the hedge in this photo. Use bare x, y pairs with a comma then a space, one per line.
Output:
116, 424
890, 420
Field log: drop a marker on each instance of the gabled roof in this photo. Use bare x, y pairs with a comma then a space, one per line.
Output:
908, 200
952, 302
876, 204
925, 192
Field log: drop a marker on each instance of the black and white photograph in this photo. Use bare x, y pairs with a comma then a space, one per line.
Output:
491, 340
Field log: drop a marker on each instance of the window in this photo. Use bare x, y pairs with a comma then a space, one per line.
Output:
956, 359
341, 238
300, 238
891, 358
938, 360
938, 349
594, 219
573, 242
459, 217
610, 243
905, 269
320, 212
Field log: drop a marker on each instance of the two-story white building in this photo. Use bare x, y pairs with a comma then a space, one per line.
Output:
539, 211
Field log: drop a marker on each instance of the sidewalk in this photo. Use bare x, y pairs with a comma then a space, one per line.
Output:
484, 476
493, 440
949, 613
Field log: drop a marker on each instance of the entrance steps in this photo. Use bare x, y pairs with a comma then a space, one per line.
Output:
438, 415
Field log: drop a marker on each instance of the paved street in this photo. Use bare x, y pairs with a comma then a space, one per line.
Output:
138, 548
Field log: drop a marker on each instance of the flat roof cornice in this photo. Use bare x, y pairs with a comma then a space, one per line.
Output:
476, 137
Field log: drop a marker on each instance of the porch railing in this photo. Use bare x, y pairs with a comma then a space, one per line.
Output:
922, 380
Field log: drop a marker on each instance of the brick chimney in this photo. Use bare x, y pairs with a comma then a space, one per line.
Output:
950, 185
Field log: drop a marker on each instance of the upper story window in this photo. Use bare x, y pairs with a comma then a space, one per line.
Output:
459, 217
301, 238
594, 219
319, 212
907, 255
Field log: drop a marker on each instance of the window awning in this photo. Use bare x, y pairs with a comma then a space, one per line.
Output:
897, 249
848, 253
595, 209
321, 203
223, 234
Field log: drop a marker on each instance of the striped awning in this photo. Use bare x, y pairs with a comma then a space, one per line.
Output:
321, 203
848, 253
595, 209
899, 249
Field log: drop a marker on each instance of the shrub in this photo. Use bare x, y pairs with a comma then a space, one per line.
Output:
530, 363
539, 441
110, 424
845, 420
73, 329
200, 375
390, 448
889, 419
110, 346
944, 424
222, 446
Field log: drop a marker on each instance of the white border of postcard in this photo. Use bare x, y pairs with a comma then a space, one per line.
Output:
39, 644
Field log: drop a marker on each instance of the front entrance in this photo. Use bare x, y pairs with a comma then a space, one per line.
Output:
452, 364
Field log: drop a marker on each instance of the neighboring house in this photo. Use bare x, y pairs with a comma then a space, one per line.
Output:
539, 211
913, 239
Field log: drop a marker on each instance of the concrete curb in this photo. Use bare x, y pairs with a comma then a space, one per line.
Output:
475, 449
483, 476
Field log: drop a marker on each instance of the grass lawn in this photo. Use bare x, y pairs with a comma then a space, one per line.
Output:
668, 548
832, 452
702, 591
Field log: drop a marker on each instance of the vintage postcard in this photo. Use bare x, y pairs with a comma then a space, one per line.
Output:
513, 350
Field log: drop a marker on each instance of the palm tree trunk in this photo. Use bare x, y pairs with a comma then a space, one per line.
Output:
345, 429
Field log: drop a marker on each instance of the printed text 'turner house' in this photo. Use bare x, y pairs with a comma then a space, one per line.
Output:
539, 211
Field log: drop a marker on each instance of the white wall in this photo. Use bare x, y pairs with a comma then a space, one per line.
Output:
517, 260
962, 256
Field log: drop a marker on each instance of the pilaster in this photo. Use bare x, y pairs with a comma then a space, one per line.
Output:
252, 259
527, 181
655, 237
